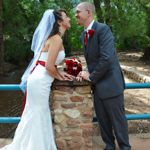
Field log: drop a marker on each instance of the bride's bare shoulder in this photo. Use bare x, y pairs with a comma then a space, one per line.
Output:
56, 38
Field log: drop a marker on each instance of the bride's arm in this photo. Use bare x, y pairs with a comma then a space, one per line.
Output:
53, 50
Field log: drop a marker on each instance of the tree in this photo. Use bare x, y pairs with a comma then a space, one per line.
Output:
128, 20
146, 5
107, 12
1, 40
98, 10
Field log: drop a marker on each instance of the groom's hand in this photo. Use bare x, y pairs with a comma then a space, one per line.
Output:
79, 78
85, 75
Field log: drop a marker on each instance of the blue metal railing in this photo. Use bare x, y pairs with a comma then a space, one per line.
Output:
129, 117
9, 87
15, 87
137, 85
9, 119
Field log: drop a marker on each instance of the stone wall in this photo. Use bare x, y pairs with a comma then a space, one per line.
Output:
72, 107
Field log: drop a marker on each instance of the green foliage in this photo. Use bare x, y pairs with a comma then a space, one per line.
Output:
128, 19
72, 41
20, 20
128, 22
18, 30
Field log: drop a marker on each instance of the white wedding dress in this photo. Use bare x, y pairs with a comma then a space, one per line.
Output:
35, 129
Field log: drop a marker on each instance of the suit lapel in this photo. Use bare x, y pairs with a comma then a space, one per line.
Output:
84, 47
90, 38
87, 48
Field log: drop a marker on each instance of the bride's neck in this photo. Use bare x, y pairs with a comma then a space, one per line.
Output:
61, 31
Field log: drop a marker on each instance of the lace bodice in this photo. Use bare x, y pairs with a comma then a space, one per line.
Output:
60, 57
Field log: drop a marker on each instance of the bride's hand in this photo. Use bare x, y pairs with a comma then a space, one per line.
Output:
66, 76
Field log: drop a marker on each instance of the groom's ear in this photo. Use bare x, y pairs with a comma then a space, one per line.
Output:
88, 11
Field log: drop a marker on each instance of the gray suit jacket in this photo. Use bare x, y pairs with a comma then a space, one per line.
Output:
100, 54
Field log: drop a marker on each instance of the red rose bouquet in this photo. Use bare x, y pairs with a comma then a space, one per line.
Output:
73, 66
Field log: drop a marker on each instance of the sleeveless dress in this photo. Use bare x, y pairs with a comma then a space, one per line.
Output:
35, 129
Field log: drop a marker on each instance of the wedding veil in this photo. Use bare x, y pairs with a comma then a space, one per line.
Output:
40, 35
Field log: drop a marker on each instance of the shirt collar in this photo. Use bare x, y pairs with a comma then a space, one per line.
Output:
90, 26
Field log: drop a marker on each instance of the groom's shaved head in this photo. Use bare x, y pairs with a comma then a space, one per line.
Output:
85, 13
87, 6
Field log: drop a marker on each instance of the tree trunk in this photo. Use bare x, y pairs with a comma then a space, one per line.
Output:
146, 55
42, 1
98, 10
1, 40
107, 12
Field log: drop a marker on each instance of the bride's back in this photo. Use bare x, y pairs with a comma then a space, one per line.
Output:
52, 40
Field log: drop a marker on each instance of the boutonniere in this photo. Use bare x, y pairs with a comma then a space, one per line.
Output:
91, 32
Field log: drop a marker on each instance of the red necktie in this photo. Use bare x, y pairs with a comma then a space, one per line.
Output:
85, 38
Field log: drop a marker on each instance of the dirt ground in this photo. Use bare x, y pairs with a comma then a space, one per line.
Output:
133, 59
136, 100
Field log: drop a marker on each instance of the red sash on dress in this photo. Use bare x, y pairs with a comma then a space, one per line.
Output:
42, 63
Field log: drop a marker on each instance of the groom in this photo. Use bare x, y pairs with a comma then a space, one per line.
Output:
106, 77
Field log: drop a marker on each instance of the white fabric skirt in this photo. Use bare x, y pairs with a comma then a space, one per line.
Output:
35, 130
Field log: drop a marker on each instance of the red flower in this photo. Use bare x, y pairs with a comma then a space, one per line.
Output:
91, 32
73, 66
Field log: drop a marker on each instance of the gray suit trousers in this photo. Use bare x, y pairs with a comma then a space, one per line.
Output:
111, 116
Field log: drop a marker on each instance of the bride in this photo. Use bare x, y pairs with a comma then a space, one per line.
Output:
35, 131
